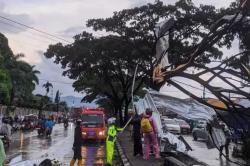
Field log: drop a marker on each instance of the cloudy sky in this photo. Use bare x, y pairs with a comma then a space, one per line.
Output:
63, 18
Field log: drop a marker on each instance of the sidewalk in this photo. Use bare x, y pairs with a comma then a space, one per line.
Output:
200, 153
127, 146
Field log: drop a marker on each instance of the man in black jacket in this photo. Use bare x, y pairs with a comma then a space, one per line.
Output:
136, 122
77, 145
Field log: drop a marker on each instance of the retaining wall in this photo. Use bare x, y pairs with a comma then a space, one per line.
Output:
21, 111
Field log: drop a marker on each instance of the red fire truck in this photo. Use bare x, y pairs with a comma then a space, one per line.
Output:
93, 124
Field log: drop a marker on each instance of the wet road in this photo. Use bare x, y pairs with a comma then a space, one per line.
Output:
209, 156
93, 154
27, 148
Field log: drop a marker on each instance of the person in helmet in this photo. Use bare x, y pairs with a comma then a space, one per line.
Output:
77, 145
111, 138
49, 125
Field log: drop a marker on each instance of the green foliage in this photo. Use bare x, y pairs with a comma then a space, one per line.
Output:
5, 86
24, 80
18, 78
63, 107
137, 26
41, 102
57, 98
103, 67
240, 32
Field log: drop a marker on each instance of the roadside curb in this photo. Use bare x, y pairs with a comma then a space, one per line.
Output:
203, 163
124, 159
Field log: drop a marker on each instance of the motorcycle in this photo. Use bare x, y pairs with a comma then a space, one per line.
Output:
40, 130
15, 127
48, 132
26, 126
5, 140
66, 124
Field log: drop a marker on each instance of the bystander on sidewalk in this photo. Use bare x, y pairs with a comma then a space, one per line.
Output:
127, 145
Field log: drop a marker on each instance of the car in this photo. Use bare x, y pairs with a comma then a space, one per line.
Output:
171, 125
201, 124
200, 133
185, 127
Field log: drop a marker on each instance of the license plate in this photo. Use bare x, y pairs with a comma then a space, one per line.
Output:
91, 134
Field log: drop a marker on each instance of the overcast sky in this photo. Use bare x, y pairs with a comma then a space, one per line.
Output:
63, 18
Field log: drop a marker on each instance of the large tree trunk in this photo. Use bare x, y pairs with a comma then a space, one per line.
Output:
126, 111
113, 111
121, 117
12, 97
116, 111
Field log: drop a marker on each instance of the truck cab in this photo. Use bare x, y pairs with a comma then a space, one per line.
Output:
93, 125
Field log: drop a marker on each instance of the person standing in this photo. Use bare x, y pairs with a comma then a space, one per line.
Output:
2, 153
149, 131
77, 145
111, 139
226, 146
136, 122
5, 128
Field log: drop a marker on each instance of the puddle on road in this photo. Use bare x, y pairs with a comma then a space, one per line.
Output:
28, 145
93, 155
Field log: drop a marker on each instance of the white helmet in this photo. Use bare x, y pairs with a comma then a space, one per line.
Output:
111, 120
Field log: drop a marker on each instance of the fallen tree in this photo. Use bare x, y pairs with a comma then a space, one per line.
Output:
233, 72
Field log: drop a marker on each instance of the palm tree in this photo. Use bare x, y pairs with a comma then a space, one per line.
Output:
21, 77
47, 86
32, 74
24, 79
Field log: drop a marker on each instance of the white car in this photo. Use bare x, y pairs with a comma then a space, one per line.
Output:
185, 127
172, 126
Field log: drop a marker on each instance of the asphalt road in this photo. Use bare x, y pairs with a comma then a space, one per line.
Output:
27, 148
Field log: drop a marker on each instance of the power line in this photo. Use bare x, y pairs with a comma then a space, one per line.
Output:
31, 37
24, 41
35, 29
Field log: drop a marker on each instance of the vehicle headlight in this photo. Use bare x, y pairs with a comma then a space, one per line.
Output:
84, 133
101, 133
